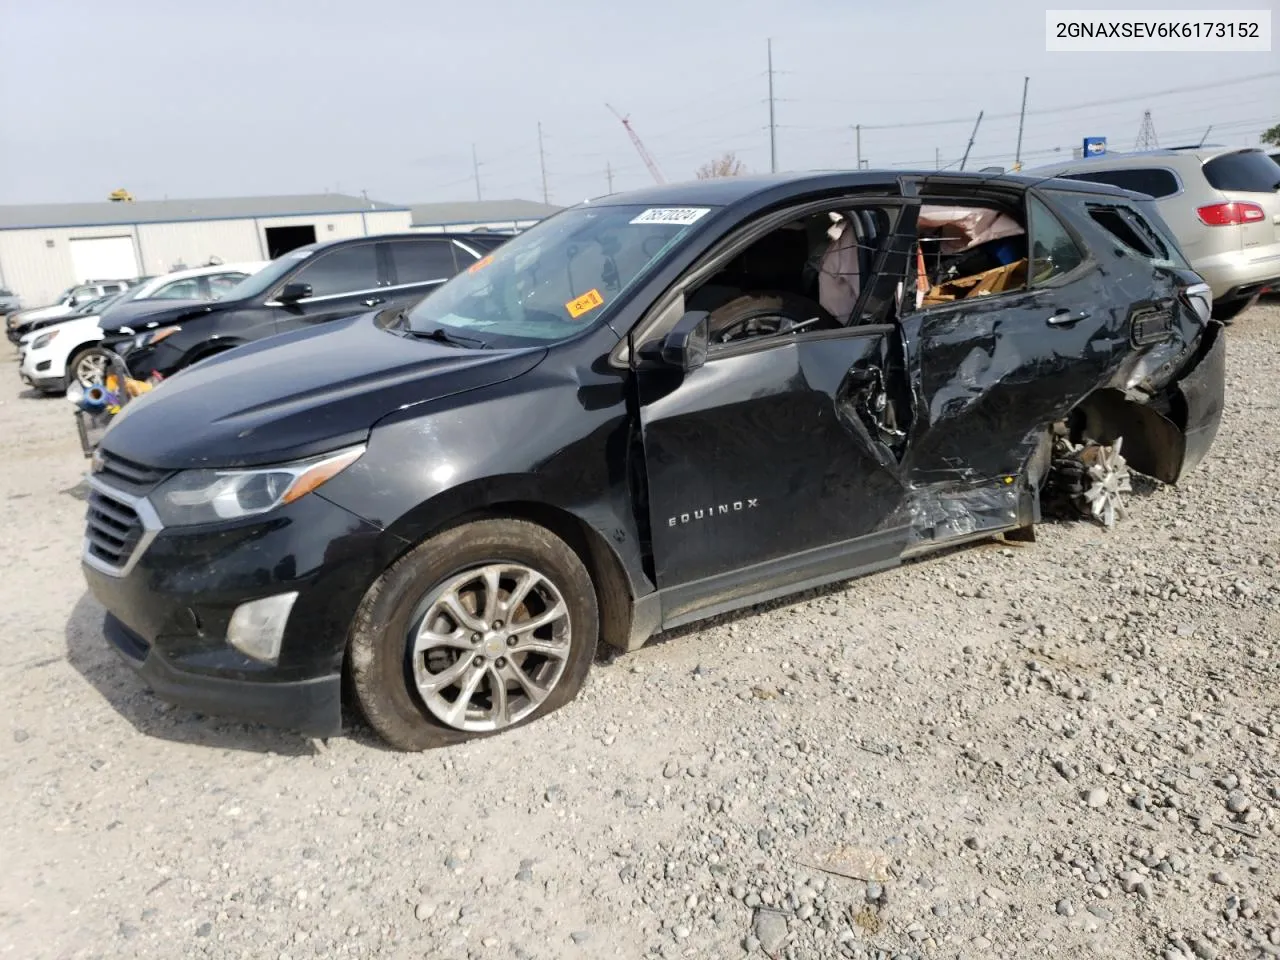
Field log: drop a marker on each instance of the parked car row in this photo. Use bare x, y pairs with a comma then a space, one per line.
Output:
10, 302
646, 410
69, 302
55, 351
1223, 204
305, 287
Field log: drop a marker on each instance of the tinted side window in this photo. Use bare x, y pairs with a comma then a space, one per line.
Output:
188, 289
419, 261
1154, 182
344, 270
1250, 171
1053, 252
220, 284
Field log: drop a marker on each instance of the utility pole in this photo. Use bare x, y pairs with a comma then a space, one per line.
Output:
773, 127
972, 137
857, 133
608, 172
475, 168
542, 161
937, 158
1022, 115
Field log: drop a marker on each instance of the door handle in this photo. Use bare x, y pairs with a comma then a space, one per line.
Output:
1064, 318
373, 301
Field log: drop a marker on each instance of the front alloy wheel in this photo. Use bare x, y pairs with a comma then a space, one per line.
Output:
491, 647
90, 368
483, 627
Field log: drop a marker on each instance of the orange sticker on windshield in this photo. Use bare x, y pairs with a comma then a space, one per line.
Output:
584, 304
480, 264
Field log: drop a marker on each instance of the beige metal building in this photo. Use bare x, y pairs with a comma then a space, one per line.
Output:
45, 248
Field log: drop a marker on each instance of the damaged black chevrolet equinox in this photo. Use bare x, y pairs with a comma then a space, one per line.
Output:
646, 410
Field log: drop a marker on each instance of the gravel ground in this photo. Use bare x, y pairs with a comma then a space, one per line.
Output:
1011, 750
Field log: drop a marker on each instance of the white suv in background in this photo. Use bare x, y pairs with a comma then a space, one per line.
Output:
52, 356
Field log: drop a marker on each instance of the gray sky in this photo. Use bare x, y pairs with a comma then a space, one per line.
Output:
249, 97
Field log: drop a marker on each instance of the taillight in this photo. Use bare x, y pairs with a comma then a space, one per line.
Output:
1230, 214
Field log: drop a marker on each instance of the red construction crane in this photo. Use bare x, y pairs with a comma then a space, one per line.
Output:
644, 154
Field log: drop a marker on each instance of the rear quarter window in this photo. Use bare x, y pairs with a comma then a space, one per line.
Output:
1132, 230
1249, 171
1153, 181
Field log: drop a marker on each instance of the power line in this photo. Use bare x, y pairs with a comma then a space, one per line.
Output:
1080, 106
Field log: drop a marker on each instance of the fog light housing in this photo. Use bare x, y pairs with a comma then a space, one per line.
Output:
257, 627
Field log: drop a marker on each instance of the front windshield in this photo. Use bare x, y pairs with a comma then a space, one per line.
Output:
266, 278
554, 280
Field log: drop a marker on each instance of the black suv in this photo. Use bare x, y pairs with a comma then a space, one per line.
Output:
646, 410
306, 286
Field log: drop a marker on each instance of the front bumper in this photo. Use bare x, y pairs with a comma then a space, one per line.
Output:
168, 608
37, 370
312, 707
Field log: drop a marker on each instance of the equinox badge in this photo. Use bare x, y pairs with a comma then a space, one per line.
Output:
706, 514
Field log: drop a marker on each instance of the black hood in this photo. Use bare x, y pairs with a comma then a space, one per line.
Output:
298, 394
140, 315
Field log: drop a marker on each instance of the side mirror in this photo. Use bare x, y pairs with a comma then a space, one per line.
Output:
686, 345
293, 292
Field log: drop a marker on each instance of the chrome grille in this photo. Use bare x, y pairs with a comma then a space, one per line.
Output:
130, 476
113, 530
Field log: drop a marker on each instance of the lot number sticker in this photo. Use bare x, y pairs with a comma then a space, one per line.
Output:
584, 304
679, 216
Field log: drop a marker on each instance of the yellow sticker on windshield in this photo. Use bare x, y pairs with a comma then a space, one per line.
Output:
584, 304
480, 264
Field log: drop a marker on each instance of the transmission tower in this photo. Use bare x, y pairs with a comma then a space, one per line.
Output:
1146, 133
640, 147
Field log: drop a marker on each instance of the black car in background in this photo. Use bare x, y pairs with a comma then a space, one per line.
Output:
304, 287
646, 410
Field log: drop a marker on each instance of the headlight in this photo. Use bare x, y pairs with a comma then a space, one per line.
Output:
44, 339
152, 338
206, 496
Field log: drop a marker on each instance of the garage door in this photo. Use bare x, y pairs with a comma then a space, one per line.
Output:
104, 258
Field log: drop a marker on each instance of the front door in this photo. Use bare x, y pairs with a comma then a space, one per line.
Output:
344, 282
760, 458
774, 465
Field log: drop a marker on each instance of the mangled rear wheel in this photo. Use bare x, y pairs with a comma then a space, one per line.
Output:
480, 629
1086, 481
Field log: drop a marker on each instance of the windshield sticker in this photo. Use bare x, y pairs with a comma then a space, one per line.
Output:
584, 304
480, 264
678, 216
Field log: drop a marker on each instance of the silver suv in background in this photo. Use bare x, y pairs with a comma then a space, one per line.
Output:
71, 300
1223, 204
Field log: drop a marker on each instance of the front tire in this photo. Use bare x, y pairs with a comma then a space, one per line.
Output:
85, 365
484, 627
